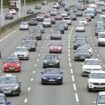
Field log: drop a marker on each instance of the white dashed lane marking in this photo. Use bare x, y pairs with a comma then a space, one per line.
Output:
76, 97
25, 100
29, 88
31, 79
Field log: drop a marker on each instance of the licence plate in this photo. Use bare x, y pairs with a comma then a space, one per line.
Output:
11, 68
51, 80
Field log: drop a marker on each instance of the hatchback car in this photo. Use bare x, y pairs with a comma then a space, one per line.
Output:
51, 61
52, 76
24, 26
80, 28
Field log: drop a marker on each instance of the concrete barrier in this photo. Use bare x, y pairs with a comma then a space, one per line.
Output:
9, 26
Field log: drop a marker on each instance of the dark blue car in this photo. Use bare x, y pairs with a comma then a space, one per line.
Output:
52, 76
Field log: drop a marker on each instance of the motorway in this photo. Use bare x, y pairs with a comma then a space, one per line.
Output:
23, 12
73, 91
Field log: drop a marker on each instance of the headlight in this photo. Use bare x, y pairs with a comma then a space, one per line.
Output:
17, 65
57, 61
45, 61
59, 78
16, 87
5, 65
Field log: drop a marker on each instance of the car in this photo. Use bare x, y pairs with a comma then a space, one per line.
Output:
78, 13
53, 21
89, 65
37, 6
55, 48
79, 42
32, 21
9, 16
96, 81
64, 14
100, 100
68, 20
81, 54
3, 99
80, 28
40, 26
59, 27
30, 11
55, 35
24, 25
44, 2
21, 52
52, 76
56, 6
73, 16
47, 22
12, 11
38, 34
29, 44
58, 17
67, 8
10, 85
83, 21
51, 60
40, 17
53, 12
31, 38
12, 64
101, 39
87, 47
99, 29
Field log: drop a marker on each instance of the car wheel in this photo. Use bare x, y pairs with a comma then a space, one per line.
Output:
98, 44
58, 65
89, 90
44, 66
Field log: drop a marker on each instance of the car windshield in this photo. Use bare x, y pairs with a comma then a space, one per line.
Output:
11, 59
97, 75
92, 62
7, 80
50, 56
21, 50
24, 23
80, 41
101, 99
2, 99
52, 71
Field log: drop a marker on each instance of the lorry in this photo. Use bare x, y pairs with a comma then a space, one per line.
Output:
14, 4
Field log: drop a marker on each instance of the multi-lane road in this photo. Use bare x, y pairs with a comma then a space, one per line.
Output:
74, 88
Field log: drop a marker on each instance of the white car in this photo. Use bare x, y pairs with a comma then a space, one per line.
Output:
53, 12
56, 5
80, 28
68, 20
101, 38
47, 22
83, 21
89, 65
12, 11
24, 26
21, 52
64, 13
96, 81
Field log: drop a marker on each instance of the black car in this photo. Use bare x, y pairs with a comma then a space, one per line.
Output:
81, 54
79, 42
32, 21
51, 61
29, 44
52, 76
3, 99
9, 16
10, 85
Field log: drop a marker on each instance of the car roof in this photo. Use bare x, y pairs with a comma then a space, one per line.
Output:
97, 71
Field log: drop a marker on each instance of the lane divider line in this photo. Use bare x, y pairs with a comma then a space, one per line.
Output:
76, 97
25, 100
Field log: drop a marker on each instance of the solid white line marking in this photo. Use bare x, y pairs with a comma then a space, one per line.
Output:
71, 71
8, 35
25, 100
31, 79
76, 97
33, 72
29, 88
74, 86
73, 78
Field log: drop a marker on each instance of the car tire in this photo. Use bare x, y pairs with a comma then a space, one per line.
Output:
58, 65
89, 90
44, 66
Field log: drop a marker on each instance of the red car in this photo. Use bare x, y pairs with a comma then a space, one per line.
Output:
58, 17
55, 48
12, 64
